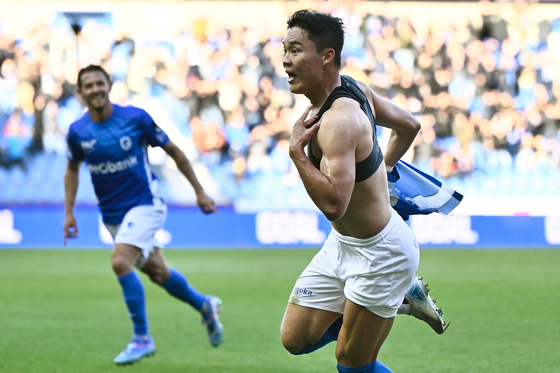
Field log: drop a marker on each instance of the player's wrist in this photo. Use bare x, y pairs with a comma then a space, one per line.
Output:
389, 168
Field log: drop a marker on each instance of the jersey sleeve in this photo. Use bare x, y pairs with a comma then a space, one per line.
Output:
154, 135
74, 152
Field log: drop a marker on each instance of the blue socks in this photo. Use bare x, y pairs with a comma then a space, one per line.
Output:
178, 286
375, 367
330, 335
133, 292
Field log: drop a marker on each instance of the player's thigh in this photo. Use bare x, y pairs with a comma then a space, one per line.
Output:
302, 326
361, 336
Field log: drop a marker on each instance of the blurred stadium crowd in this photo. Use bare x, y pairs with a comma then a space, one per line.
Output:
487, 95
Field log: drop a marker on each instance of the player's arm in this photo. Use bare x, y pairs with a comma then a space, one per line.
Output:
331, 187
71, 181
402, 123
204, 202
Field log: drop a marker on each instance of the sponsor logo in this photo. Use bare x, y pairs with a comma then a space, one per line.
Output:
303, 291
160, 135
126, 143
112, 167
8, 235
87, 146
552, 229
289, 227
443, 229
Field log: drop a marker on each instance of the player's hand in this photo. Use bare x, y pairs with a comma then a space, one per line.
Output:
303, 130
206, 204
70, 228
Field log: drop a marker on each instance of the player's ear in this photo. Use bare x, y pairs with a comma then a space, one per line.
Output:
327, 55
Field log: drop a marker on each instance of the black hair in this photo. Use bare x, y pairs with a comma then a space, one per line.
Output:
89, 69
324, 30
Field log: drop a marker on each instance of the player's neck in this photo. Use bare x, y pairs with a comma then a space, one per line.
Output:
320, 95
101, 115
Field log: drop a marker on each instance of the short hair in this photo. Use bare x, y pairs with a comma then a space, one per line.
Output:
325, 30
89, 69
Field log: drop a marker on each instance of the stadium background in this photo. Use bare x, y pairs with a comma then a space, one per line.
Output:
483, 78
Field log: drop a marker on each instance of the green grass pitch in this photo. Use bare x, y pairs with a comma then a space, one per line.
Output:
61, 311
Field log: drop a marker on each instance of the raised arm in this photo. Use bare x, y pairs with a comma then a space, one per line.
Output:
204, 202
403, 125
71, 181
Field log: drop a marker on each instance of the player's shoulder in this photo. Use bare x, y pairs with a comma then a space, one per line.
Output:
366, 89
342, 109
79, 123
129, 111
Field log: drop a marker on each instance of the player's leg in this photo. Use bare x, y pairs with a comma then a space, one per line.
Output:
123, 258
360, 340
313, 316
177, 285
134, 239
305, 329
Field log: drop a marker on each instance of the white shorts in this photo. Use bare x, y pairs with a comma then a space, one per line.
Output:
374, 272
139, 227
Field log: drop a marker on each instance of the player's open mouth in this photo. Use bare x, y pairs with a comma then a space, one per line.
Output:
291, 76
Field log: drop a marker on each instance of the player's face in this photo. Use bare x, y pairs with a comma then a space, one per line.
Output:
301, 61
95, 90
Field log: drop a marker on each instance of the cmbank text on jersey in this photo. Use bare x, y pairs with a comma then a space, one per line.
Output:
112, 167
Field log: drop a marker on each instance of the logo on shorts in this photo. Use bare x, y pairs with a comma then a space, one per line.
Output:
130, 224
304, 291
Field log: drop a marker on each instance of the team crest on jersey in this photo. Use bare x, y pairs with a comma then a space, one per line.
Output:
126, 143
87, 146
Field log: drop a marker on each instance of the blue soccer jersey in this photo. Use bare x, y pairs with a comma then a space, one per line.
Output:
115, 152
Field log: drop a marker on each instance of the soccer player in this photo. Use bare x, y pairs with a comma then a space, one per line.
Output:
113, 141
356, 284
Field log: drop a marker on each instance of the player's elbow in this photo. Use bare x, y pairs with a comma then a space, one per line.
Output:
413, 126
333, 212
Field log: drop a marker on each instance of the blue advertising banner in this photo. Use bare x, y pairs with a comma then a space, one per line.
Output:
187, 227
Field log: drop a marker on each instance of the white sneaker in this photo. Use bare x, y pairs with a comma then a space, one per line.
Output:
423, 307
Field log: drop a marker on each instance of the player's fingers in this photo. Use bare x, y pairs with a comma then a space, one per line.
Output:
209, 209
314, 127
310, 122
306, 113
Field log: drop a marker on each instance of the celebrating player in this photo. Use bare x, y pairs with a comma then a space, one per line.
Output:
356, 284
113, 141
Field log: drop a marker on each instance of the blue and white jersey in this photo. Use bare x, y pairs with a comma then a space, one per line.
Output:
115, 152
414, 192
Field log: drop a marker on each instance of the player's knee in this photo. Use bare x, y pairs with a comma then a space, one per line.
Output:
343, 356
120, 265
292, 344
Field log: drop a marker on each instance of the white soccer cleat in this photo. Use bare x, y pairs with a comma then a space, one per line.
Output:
212, 321
423, 307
